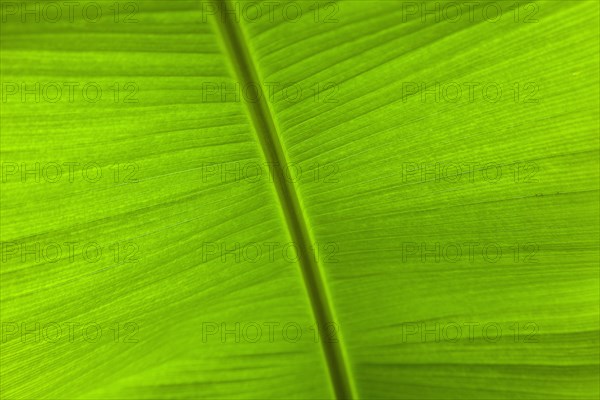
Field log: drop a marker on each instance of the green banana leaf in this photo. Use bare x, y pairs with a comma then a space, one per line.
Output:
299, 199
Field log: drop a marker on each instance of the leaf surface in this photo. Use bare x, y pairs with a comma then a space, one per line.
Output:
407, 209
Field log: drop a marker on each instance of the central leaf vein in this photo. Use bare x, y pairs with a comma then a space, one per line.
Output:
272, 148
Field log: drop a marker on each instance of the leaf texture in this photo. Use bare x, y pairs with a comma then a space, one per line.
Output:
408, 211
